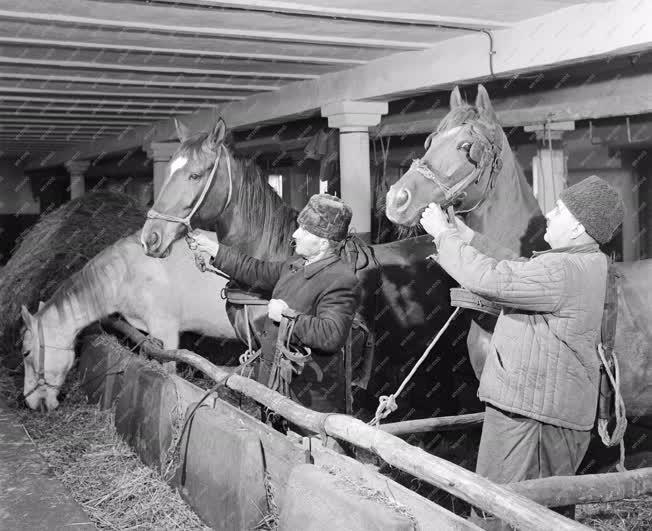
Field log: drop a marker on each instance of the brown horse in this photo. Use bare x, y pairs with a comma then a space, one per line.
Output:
406, 301
498, 206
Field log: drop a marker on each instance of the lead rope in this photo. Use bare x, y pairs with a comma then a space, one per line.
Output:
617, 436
387, 403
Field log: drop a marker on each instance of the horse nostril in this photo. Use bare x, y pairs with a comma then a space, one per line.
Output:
153, 239
402, 199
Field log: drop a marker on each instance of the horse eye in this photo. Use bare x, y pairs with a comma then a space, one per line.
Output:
466, 146
195, 176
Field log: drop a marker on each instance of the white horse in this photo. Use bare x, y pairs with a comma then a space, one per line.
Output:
161, 297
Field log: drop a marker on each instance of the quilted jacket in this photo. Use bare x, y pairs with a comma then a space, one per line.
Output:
543, 360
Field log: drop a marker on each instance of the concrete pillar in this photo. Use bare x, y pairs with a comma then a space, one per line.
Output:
77, 170
353, 119
549, 169
160, 153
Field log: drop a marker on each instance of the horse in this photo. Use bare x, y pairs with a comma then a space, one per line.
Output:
405, 300
453, 156
162, 297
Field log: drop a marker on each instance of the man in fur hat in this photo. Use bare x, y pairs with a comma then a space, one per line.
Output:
541, 377
316, 289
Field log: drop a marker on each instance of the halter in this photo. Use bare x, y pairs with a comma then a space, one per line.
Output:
153, 214
491, 159
40, 374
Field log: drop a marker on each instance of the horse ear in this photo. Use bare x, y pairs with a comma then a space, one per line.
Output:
27, 317
456, 98
40, 305
428, 141
216, 136
483, 102
183, 133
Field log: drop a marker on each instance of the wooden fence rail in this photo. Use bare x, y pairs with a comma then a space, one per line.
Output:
498, 500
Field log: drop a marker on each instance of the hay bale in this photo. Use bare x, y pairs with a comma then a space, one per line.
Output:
57, 246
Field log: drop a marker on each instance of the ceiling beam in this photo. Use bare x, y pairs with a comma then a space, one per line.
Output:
76, 114
104, 103
397, 17
621, 96
581, 33
21, 108
177, 70
124, 81
119, 94
194, 52
159, 19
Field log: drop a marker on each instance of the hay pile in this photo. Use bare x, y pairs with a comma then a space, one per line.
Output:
103, 474
60, 244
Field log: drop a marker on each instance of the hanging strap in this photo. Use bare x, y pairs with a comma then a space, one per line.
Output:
610, 397
287, 361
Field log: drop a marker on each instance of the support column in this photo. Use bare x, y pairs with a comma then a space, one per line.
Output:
549, 169
353, 119
160, 153
77, 170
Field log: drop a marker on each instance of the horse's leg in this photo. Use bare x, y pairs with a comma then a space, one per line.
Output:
168, 333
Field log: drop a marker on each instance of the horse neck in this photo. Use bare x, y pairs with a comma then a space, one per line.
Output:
256, 221
88, 295
510, 215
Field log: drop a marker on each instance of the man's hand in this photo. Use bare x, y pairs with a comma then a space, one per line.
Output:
434, 220
203, 241
275, 309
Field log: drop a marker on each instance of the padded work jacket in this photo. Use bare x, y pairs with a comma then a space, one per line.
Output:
543, 360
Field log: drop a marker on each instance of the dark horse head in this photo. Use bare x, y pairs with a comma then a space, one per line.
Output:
215, 190
469, 164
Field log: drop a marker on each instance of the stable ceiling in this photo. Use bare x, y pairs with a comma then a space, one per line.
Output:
78, 71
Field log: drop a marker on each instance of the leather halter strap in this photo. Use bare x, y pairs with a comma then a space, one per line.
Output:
40, 372
491, 159
153, 214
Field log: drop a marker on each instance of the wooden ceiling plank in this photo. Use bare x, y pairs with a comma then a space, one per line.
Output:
292, 8
278, 57
74, 114
94, 109
104, 103
113, 16
119, 94
125, 67
138, 82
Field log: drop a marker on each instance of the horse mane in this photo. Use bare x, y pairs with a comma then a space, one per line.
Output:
91, 287
259, 206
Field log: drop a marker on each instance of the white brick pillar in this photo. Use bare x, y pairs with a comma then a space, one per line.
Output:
77, 170
160, 153
549, 168
353, 119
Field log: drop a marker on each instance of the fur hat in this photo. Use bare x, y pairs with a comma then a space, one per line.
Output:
596, 205
326, 216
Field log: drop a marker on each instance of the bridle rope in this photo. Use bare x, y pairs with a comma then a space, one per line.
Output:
40, 373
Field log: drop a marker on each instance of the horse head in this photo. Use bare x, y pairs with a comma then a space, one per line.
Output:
201, 162
462, 159
47, 361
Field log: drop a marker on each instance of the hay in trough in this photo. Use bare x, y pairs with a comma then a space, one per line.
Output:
102, 473
60, 244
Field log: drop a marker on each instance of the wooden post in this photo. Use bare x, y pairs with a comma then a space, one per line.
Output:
549, 171
353, 118
507, 505
160, 153
77, 169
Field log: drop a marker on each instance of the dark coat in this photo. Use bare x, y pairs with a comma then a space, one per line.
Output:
324, 296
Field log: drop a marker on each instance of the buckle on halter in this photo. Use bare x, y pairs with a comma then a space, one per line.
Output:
41, 382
